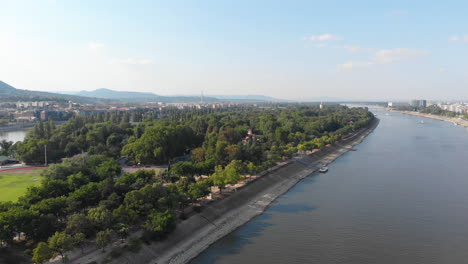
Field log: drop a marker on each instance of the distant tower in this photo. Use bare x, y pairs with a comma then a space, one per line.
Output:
70, 104
321, 105
201, 97
43, 116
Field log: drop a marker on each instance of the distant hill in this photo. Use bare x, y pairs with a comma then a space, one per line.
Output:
5, 88
251, 98
9, 93
323, 99
103, 95
139, 97
111, 94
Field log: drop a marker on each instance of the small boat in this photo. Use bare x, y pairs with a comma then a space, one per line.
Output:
323, 169
422, 121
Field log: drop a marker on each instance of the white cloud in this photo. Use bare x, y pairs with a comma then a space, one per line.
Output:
356, 49
393, 55
354, 64
95, 46
321, 45
131, 61
323, 37
457, 38
383, 57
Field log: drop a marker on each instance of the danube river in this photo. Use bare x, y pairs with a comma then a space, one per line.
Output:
401, 198
16, 135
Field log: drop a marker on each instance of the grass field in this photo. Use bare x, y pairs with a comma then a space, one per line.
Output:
13, 184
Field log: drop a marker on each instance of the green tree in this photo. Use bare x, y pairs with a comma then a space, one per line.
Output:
42, 253
87, 195
61, 242
79, 241
183, 168
231, 174
104, 238
125, 215
75, 181
5, 147
7, 231
53, 206
79, 223
159, 224
199, 189
109, 168
251, 168
101, 217
122, 231
198, 154
233, 152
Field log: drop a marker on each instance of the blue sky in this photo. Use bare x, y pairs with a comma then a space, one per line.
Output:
289, 49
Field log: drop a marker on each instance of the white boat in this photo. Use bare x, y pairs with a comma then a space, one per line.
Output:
422, 121
323, 169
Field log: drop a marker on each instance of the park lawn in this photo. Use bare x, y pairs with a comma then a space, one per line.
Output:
13, 184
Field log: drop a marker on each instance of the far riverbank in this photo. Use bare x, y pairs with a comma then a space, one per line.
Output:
17, 127
455, 120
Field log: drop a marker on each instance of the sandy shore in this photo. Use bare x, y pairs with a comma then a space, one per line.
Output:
197, 233
455, 120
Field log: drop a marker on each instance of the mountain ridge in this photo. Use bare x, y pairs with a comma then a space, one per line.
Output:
147, 96
138, 97
111, 94
10, 93
105, 95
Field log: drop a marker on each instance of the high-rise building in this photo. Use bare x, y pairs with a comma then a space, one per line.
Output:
419, 103
414, 103
422, 103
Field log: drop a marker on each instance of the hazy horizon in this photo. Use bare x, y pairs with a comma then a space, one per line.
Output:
362, 50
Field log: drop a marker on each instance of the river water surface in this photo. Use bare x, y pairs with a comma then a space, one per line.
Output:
16, 135
401, 198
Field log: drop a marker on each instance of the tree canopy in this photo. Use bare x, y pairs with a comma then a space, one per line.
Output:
86, 197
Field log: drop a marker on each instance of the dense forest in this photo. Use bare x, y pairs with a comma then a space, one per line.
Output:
218, 137
85, 197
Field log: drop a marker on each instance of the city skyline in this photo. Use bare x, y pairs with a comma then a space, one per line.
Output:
301, 50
